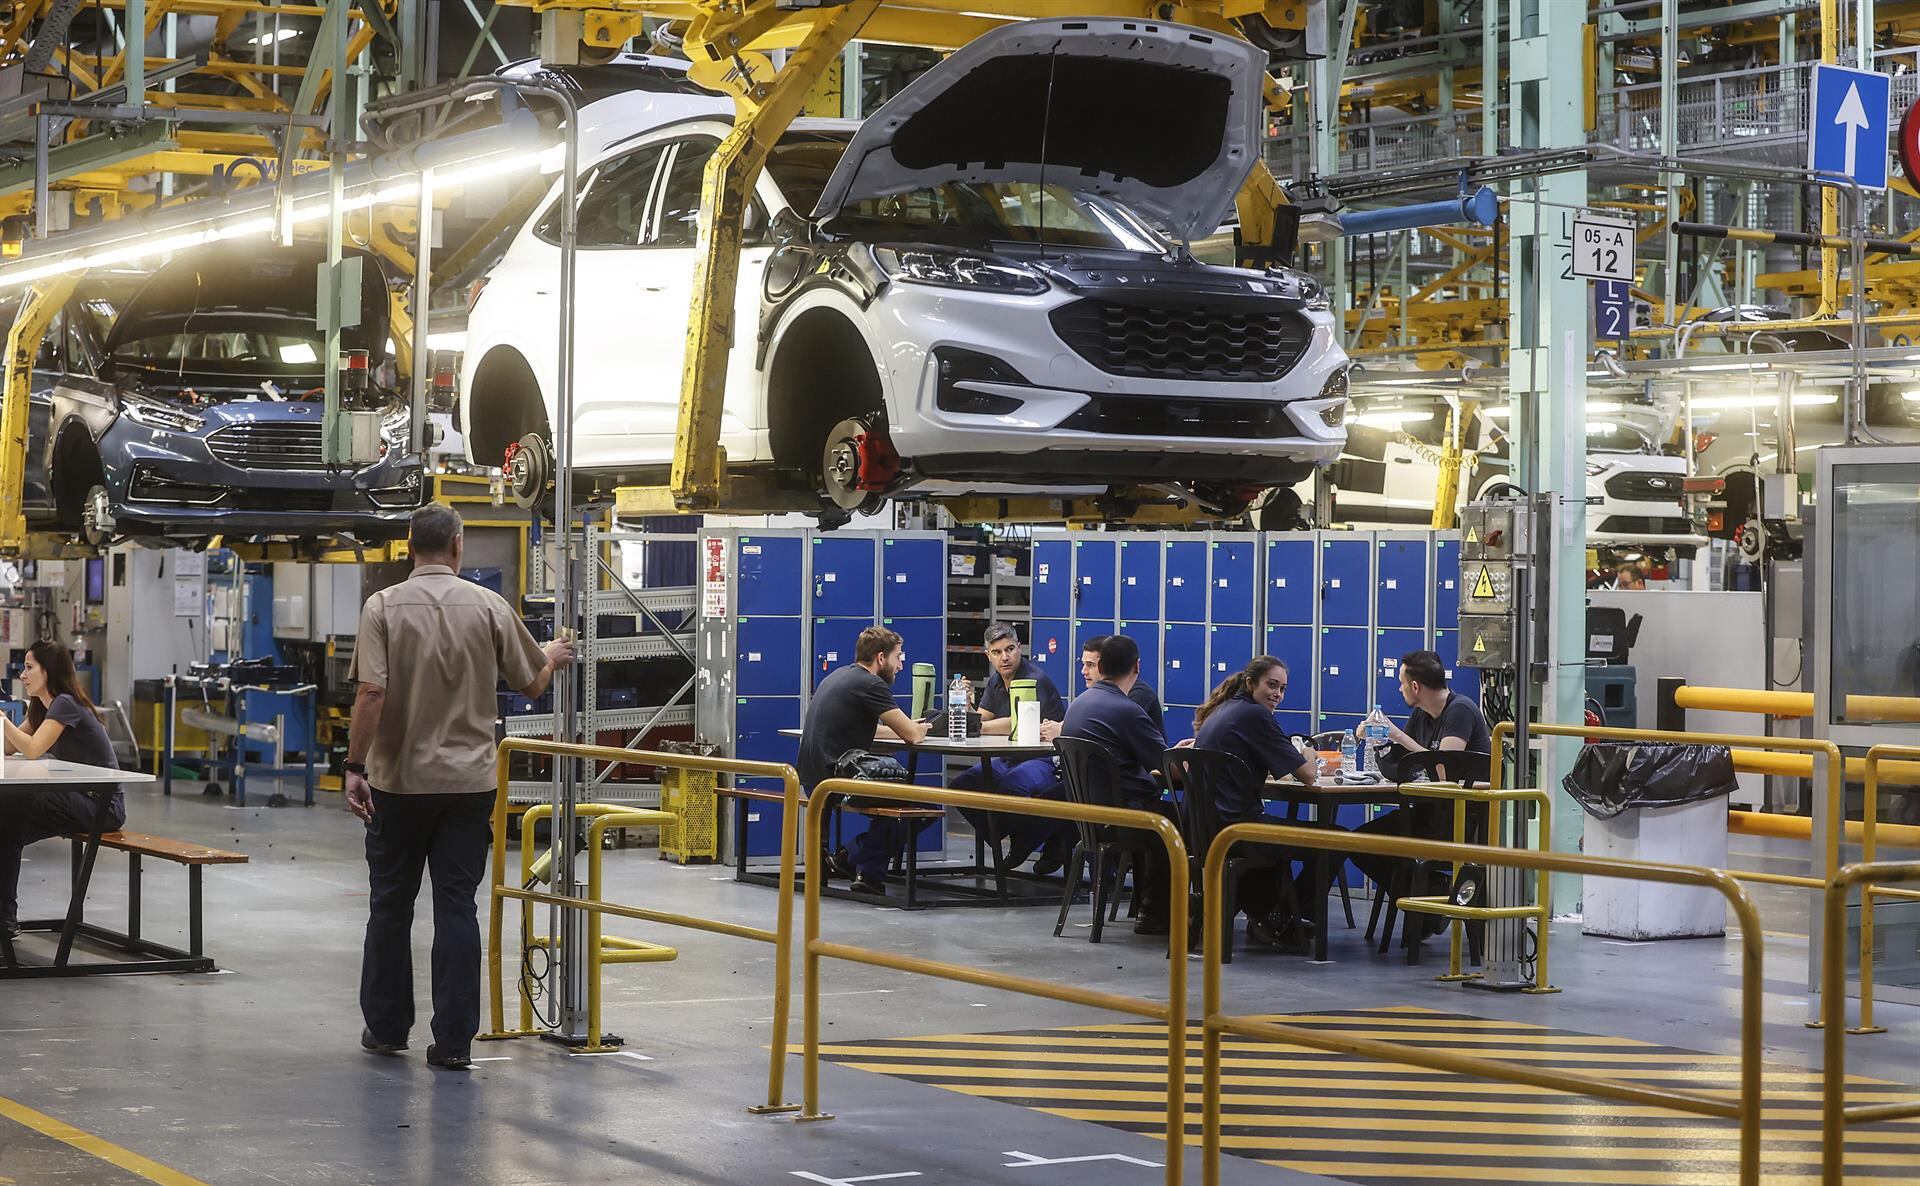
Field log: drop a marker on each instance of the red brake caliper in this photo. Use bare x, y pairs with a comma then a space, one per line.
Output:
879, 463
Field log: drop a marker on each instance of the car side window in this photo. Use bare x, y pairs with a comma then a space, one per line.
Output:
51, 342
614, 209
678, 223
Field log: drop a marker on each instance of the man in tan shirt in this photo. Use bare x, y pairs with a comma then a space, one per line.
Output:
420, 773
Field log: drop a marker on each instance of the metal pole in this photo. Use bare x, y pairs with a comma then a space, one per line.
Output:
1490, 85
338, 134
134, 56
422, 311
1670, 146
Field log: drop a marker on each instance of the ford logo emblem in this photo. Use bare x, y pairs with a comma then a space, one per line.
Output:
1658, 483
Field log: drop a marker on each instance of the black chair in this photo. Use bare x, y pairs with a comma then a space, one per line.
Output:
1090, 777
1201, 774
1465, 767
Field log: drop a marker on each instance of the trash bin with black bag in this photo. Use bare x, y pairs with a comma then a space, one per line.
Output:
1665, 803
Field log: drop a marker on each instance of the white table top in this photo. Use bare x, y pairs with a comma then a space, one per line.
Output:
941, 744
27, 773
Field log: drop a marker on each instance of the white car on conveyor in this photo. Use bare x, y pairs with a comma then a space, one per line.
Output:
981, 288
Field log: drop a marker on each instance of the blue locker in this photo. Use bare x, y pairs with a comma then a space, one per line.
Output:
1346, 581
1095, 579
913, 579
833, 645
1464, 680
1232, 588
1052, 652
925, 641
1389, 646
1400, 588
1290, 584
1446, 584
768, 662
1293, 645
843, 577
1345, 686
1229, 651
757, 724
1052, 578
1083, 629
1183, 659
1186, 569
1147, 635
770, 570
1140, 580
1337, 722
1178, 724
1296, 724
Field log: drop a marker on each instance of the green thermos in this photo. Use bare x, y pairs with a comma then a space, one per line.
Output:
1019, 692
923, 681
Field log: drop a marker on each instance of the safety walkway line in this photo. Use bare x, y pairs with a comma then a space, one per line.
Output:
93, 1146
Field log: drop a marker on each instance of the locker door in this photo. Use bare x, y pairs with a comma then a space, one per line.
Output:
757, 725
1053, 652
1230, 650
771, 576
1293, 645
1446, 584
1052, 578
1186, 569
767, 661
1296, 724
1400, 589
925, 641
843, 577
1094, 579
1183, 658
1085, 628
1344, 682
1140, 580
1290, 586
1389, 645
1231, 587
1177, 722
1464, 680
1147, 635
1345, 581
913, 578
833, 645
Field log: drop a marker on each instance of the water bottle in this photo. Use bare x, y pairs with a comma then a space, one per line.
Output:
1348, 749
957, 709
1377, 737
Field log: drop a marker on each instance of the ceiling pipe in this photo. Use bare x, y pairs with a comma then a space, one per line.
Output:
1481, 207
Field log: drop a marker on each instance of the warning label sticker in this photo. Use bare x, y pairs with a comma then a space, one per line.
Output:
1484, 586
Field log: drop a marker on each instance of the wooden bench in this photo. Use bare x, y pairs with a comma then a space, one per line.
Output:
904, 862
138, 846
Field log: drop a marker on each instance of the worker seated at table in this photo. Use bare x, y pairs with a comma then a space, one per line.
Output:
1141, 693
1107, 715
1034, 778
1441, 720
61, 723
847, 711
1238, 719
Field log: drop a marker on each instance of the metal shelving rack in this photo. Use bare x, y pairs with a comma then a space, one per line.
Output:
593, 650
1008, 599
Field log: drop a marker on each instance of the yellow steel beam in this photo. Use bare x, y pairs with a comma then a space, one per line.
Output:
37, 310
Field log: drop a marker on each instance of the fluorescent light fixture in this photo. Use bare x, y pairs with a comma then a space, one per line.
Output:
1699, 368
1409, 382
1711, 403
455, 339
1393, 419
275, 35
1502, 411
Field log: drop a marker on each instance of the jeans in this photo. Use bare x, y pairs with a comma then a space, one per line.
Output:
1035, 778
446, 835
39, 815
872, 850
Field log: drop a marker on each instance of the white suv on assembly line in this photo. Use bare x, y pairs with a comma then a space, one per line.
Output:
982, 288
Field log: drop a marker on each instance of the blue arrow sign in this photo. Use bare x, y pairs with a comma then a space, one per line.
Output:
1848, 123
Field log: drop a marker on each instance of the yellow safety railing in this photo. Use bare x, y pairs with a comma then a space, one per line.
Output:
1172, 1012
1743, 1108
1836, 801
1869, 843
1835, 1115
1542, 909
781, 936
601, 949
1792, 705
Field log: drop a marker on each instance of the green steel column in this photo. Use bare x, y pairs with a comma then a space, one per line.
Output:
1670, 146
1490, 80
339, 134
1329, 74
1548, 324
135, 54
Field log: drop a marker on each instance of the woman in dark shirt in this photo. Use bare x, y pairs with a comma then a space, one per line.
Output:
61, 723
1238, 719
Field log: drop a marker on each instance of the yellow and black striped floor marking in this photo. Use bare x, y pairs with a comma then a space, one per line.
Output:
1380, 1123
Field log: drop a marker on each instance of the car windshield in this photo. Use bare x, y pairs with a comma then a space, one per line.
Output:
279, 351
1611, 436
1017, 212
800, 165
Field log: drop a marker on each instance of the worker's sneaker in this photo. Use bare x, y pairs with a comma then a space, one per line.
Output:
836, 864
373, 1045
1288, 935
12, 926
869, 885
447, 1062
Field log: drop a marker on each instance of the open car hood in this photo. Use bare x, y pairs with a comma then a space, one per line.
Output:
1163, 118
226, 286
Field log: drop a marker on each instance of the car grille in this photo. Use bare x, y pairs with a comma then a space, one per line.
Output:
1168, 416
269, 446
1645, 525
279, 500
1184, 343
1644, 487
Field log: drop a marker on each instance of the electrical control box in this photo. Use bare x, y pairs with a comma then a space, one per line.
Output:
1496, 530
1486, 643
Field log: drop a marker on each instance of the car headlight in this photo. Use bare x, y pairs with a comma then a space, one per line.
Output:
1596, 468
156, 414
1302, 287
947, 269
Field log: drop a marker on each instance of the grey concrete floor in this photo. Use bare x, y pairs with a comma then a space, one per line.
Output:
253, 1075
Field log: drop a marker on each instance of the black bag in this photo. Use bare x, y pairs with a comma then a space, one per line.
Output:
862, 766
1611, 776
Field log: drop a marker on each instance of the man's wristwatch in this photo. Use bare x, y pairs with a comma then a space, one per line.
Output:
359, 768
